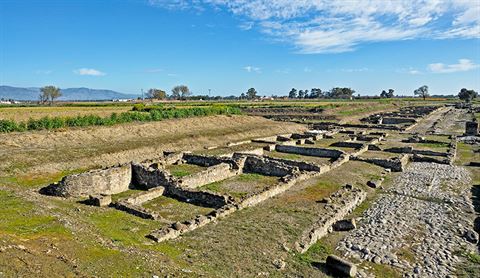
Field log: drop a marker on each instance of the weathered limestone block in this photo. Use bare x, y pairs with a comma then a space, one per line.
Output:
281, 138
341, 267
269, 148
374, 183
471, 128
108, 181
100, 200
345, 225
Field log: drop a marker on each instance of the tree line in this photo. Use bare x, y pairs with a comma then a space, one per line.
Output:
182, 92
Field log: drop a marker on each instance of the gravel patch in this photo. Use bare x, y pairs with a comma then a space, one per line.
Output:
417, 226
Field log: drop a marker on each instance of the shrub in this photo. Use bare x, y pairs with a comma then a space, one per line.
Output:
138, 114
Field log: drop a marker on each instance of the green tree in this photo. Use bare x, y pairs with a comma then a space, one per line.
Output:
467, 95
422, 92
315, 93
292, 93
156, 94
251, 93
49, 93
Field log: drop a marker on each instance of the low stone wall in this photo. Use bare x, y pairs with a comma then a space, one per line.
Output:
149, 177
211, 174
107, 181
396, 164
268, 167
396, 121
347, 145
146, 196
200, 198
202, 160
271, 191
309, 151
301, 165
422, 158
176, 229
343, 202
410, 150
340, 160
136, 210
430, 153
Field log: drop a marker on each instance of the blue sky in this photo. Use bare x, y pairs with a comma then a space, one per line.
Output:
230, 46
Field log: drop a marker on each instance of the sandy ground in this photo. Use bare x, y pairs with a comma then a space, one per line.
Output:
54, 151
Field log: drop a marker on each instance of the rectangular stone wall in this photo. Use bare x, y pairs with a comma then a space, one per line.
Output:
201, 198
149, 177
319, 152
265, 166
302, 166
212, 174
105, 181
202, 160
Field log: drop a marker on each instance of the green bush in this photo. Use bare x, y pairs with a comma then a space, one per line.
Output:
139, 114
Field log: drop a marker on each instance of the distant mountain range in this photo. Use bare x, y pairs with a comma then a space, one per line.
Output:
18, 93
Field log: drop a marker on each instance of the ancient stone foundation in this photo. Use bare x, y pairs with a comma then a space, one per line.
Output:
104, 181
341, 203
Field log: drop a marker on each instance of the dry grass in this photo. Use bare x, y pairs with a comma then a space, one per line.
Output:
25, 113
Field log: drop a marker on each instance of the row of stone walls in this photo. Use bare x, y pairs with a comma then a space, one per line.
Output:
309, 151
395, 121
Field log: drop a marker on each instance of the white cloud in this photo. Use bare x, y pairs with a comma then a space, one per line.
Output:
326, 26
307, 69
91, 72
414, 72
463, 65
252, 69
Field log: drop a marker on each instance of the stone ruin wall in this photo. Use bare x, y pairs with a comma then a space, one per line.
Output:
104, 181
340, 204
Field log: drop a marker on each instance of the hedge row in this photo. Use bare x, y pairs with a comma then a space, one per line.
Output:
125, 117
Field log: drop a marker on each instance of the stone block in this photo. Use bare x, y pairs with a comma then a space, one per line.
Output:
345, 225
100, 200
341, 267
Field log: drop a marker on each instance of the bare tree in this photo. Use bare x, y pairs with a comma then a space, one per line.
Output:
422, 92
180, 91
50, 93
156, 94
